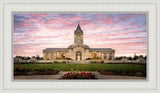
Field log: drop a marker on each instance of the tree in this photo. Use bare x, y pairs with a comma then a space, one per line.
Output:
41, 58
141, 56
129, 58
28, 58
135, 57
37, 57
118, 58
145, 57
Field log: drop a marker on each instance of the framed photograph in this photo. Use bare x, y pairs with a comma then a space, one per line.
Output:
80, 46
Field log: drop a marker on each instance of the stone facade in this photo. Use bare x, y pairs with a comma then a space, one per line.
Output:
78, 51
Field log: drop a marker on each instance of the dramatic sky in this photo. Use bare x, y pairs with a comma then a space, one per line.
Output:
124, 32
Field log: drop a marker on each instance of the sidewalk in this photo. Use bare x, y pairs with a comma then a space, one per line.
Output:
60, 74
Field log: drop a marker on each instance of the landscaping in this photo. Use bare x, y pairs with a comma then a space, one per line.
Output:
21, 70
85, 67
96, 58
79, 75
97, 61
61, 59
125, 73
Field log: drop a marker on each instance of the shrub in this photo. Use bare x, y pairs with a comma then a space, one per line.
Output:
24, 62
88, 58
22, 71
42, 70
120, 72
63, 61
17, 69
60, 58
97, 62
93, 62
49, 69
56, 62
36, 69
101, 61
96, 58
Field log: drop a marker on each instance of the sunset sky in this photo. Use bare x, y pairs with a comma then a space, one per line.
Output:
126, 33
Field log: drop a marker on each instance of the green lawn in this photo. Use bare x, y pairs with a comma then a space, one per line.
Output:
85, 67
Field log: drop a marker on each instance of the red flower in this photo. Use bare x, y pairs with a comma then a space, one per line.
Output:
43, 66
82, 75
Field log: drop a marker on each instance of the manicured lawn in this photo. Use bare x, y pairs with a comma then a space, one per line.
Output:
85, 67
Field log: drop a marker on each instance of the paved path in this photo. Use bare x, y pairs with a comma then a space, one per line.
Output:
60, 74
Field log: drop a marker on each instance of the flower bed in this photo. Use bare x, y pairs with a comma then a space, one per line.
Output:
79, 75
23, 71
97, 61
125, 73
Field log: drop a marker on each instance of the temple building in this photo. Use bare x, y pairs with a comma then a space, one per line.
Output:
78, 51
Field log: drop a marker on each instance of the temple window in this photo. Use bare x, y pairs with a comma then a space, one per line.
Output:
110, 58
62, 55
94, 55
105, 57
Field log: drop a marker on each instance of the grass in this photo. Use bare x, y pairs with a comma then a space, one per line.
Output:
85, 67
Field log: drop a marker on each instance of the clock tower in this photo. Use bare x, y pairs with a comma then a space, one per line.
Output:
78, 35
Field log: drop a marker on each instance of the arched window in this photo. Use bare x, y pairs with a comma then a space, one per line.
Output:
62, 55
94, 55
47, 57
52, 57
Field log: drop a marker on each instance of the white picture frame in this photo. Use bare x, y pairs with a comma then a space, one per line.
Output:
152, 84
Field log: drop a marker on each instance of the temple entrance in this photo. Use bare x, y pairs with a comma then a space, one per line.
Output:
78, 56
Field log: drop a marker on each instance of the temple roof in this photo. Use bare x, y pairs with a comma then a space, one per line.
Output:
55, 49
100, 48
84, 46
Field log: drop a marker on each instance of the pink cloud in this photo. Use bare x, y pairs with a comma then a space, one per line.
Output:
36, 31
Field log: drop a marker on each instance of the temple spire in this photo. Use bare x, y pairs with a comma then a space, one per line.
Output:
78, 35
78, 27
